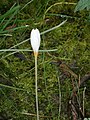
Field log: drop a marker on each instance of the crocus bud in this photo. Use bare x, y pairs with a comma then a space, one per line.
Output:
35, 40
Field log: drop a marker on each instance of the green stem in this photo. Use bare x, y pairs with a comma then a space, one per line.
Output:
36, 87
59, 98
84, 99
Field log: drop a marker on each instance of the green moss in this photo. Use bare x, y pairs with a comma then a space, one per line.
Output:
72, 43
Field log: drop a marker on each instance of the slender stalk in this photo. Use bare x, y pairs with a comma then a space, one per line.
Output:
36, 89
84, 99
59, 98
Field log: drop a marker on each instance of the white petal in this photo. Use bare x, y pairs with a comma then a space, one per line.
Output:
35, 39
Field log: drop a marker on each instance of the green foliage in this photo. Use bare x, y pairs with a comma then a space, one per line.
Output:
17, 80
82, 4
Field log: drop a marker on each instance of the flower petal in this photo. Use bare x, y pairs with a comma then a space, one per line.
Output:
35, 39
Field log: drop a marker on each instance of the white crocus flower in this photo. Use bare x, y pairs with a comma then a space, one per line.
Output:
35, 40
35, 43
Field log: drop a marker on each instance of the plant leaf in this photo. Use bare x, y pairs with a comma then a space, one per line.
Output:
82, 4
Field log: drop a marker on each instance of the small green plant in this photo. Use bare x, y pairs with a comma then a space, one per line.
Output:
82, 4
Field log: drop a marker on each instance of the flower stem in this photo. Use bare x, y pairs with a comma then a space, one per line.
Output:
84, 100
36, 89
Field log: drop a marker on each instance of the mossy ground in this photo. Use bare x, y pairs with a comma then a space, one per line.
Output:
72, 41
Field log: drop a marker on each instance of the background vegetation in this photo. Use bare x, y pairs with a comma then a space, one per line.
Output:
61, 94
